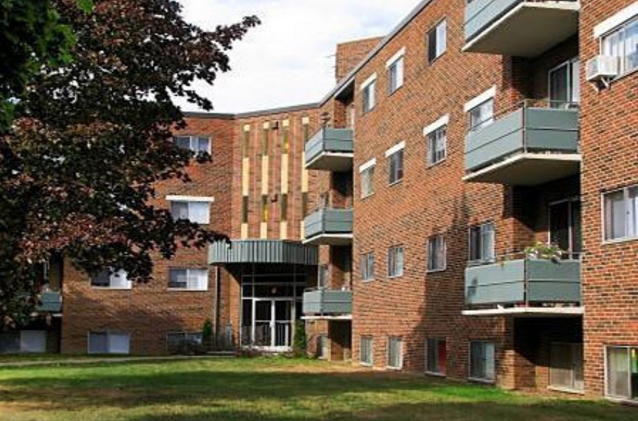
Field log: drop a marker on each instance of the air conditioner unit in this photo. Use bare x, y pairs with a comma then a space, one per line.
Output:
602, 68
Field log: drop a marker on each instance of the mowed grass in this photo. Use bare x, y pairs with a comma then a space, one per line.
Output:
267, 389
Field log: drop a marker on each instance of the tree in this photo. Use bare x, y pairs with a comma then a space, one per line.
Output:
30, 35
92, 137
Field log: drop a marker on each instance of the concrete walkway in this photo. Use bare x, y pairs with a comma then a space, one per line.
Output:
109, 360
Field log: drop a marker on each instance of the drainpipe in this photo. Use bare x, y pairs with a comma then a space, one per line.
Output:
218, 290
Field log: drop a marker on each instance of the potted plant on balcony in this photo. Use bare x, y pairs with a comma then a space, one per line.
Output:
543, 251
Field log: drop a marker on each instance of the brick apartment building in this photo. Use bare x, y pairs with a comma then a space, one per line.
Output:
464, 203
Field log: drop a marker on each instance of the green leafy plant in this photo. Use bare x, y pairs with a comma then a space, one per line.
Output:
300, 345
544, 251
207, 334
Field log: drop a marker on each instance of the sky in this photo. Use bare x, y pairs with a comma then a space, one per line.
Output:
289, 58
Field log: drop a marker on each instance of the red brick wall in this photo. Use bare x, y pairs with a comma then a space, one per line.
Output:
349, 54
609, 132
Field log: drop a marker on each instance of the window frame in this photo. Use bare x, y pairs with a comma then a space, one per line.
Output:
396, 152
367, 268
128, 287
396, 71
107, 333
469, 365
551, 367
188, 270
195, 138
368, 172
369, 95
625, 190
440, 43
443, 267
392, 261
434, 138
437, 341
622, 72
606, 373
370, 351
389, 358
483, 260
189, 201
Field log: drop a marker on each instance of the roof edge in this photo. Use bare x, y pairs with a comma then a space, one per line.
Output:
249, 114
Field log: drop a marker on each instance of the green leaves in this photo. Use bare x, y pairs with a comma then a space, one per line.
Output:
86, 5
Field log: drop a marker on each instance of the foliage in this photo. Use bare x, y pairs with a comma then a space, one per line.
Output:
544, 251
300, 345
207, 334
92, 139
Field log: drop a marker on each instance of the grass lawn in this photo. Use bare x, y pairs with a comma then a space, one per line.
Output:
266, 389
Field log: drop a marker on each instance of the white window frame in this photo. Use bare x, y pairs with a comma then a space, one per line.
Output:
440, 39
469, 365
369, 94
616, 23
396, 69
127, 286
392, 154
369, 363
606, 373
443, 243
192, 140
432, 130
108, 334
392, 261
482, 227
188, 278
367, 269
388, 353
368, 169
625, 238
190, 200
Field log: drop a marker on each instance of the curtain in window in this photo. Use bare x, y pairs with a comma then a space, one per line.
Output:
487, 242
198, 279
120, 280
631, 46
615, 215
199, 212
441, 37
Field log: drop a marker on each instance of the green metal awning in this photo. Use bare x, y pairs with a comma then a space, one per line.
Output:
262, 251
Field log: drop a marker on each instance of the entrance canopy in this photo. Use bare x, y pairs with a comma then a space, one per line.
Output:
262, 251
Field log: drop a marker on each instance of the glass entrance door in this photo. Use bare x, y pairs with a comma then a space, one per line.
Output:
272, 324
262, 326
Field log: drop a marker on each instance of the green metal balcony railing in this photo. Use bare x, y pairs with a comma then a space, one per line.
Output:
329, 226
330, 150
327, 302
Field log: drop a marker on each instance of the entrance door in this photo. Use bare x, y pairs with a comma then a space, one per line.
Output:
565, 227
273, 323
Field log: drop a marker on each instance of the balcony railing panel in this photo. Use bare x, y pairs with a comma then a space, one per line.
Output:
329, 221
330, 149
326, 302
524, 282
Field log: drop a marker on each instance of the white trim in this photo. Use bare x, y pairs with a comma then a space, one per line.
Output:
540, 311
171, 198
441, 122
368, 82
616, 20
478, 100
371, 163
344, 317
321, 237
396, 148
395, 57
575, 157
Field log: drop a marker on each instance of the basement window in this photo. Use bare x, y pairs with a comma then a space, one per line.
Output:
108, 343
621, 372
365, 351
395, 353
482, 361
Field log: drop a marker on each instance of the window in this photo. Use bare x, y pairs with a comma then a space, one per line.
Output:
566, 366
395, 353
188, 279
482, 115
622, 372
621, 214
482, 243
367, 267
365, 350
436, 254
23, 341
396, 71
195, 211
322, 347
108, 343
246, 144
395, 261
284, 207
109, 278
437, 145
437, 41
482, 365
395, 165
435, 356
369, 95
244, 209
322, 276
564, 84
367, 180
623, 44
264, 208
175, 342
194, 143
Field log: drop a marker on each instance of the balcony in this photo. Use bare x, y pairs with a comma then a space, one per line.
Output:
329, 227
51, 302
327, 304
533, 145
544, 286
330, 150
524, 28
